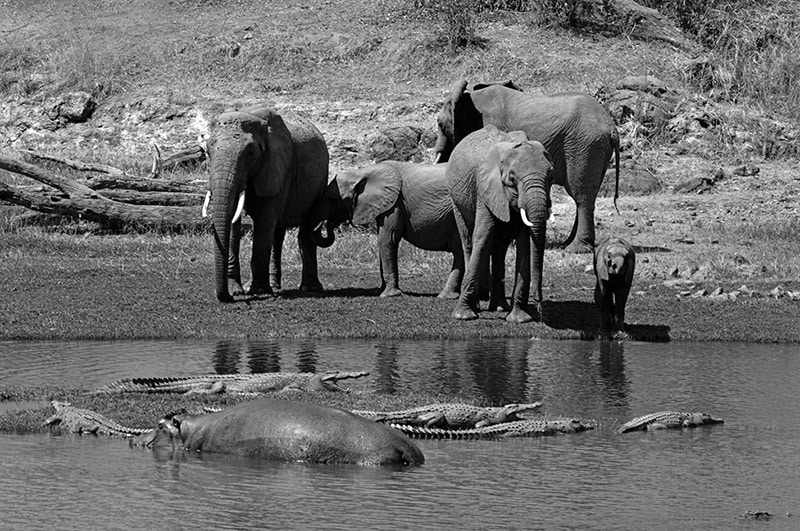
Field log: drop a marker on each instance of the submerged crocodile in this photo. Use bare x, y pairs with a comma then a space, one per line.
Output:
668, 419
517, 428
234, 383
450, 415
79, 420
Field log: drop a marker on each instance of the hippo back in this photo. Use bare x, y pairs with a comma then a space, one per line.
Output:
298, 431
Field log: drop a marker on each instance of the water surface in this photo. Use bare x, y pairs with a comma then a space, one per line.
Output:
700, 478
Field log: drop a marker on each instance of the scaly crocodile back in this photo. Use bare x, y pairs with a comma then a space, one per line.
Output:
79, 420
233, 383
518, 428
450, 415
667, 420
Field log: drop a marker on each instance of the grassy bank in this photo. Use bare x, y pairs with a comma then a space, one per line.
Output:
63, 284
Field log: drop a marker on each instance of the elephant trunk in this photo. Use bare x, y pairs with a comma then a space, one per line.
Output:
534, 206
317, 237
225, 193
442, 149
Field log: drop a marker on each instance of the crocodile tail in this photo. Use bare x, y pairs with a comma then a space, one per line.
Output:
420, 432
343, 375
141, 385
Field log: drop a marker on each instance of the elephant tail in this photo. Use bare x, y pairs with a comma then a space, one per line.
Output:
615, 146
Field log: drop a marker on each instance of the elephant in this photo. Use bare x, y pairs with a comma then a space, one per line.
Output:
407, 201
614, 265
286, 430
500, 187
276, 170
574, 128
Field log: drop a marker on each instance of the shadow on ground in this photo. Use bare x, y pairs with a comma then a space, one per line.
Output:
582, 317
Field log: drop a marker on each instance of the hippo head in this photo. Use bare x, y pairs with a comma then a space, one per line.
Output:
166, 434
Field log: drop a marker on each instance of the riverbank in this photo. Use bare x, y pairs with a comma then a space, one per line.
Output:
715, 228
709, 267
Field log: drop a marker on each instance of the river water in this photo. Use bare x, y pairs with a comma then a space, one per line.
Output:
703, 478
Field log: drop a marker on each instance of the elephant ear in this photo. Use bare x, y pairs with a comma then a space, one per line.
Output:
374, 190
278, 155
466, 117
490, 182
600, 268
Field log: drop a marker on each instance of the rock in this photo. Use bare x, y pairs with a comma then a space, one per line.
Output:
403, 143
631, 182
679, 282
645, 108
650, 84
74, 107
777, 292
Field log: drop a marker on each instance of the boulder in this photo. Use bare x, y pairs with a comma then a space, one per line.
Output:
402, 143
72, 107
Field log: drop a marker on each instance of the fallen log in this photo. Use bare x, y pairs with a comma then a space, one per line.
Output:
133, 197
142, 184
74, 164
77, 200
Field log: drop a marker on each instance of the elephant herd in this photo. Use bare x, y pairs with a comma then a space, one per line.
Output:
498, 152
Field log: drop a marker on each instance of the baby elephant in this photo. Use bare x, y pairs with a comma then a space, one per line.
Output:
614, 263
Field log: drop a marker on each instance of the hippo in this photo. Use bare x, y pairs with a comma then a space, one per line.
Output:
287, 430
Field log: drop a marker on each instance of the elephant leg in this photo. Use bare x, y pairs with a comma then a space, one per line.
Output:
522, 281
390, 229
265, 218
620, 300
497, 278
452, 287
581, 238
605, 308
308, 253
234, 269
276, 258
482, 235
585, 175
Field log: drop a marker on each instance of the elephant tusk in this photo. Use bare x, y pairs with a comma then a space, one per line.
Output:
319, 225
206, 203
437, 157
525, 219
237, 216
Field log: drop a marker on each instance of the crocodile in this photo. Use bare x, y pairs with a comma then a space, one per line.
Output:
79, 420
234, 383
450, 415
669, 419
517, 428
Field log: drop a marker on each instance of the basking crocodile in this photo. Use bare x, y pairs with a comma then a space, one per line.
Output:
450, 415
517, 428
668, 419
79, 420
234, 383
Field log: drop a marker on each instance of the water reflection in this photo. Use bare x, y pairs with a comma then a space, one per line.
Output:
264, 356
495, 371
387, 367
611, 370
307, 357
227, 356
